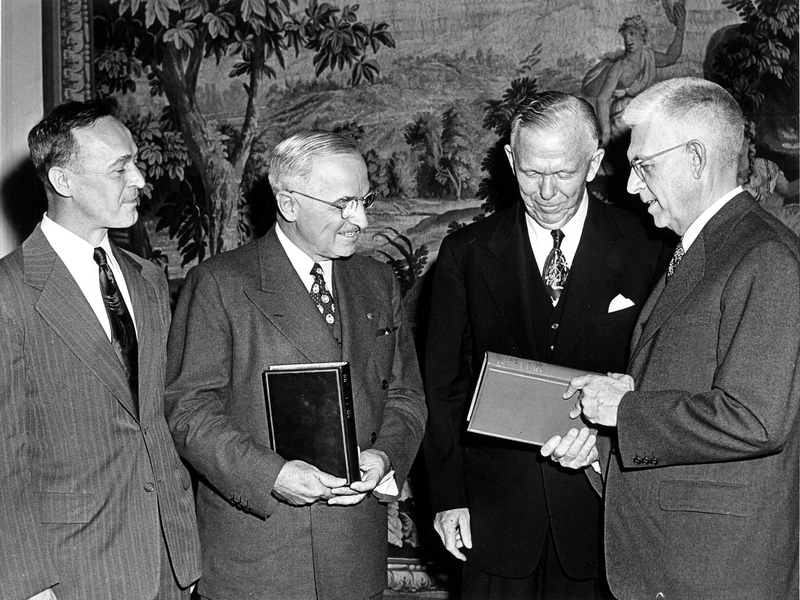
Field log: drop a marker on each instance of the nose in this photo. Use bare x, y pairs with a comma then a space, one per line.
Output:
547, 188
358, 216
635, 184
135, 178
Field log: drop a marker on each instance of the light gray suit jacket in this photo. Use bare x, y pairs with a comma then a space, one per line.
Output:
239, 313
86, 486
702, 489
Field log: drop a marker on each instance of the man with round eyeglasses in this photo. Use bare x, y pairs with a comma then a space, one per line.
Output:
701, 485
272, 528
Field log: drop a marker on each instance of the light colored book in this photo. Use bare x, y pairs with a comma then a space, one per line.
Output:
521, 400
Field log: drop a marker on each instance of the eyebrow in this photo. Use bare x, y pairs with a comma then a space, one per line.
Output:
125, 158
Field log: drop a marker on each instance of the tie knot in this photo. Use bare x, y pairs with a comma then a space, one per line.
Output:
316, 270
558, 235
99, 256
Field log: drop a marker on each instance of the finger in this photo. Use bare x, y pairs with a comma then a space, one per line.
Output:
344, 491
576, 410
328, 480
346, 500
466, 533
550, 445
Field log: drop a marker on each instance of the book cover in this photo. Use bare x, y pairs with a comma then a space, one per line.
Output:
521, 400
310, 416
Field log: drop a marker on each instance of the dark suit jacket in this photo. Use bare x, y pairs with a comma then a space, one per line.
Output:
87, 488
239, 313
488, 295
702, 495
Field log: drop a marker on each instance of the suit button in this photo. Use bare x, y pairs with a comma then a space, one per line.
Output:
384, 384
554, 326
149, 487
654, 462
637, 460
372, 437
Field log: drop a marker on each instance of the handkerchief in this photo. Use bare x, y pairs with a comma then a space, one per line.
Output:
619, 303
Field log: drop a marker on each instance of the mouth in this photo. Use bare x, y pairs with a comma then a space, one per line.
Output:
350, 234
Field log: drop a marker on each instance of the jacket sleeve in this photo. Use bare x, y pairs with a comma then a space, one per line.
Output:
404, 413
447, 383
27, 566
198, 392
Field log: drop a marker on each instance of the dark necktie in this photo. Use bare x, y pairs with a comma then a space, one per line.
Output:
123, 334
675, 260
555, 269
322, 297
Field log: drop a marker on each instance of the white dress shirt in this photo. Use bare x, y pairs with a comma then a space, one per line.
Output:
303, 263
542, 239
78, 255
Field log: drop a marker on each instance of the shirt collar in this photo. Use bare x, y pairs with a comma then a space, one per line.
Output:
572, 229
699, 223
71, 247
303, 263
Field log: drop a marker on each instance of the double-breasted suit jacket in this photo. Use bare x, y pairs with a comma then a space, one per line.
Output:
88, 486
488, 295
702, 490
239, 313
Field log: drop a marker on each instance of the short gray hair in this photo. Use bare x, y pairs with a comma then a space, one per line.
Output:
551, 110
293, 157
697, 108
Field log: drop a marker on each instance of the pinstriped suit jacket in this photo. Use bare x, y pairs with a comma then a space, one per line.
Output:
86, 487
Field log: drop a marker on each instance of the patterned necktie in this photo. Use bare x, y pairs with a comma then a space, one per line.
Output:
123, 334
555, 269
676, 259
322, 297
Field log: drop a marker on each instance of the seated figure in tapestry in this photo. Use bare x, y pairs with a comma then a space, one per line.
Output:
762, 177
613, 82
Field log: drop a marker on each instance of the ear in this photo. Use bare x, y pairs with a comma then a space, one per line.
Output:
287, 206
594, 163
697, 158
61, 181
510, 156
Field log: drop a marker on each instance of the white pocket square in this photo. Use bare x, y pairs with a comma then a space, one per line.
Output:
619, 303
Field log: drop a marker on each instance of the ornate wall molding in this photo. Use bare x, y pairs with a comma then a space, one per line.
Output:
67, 34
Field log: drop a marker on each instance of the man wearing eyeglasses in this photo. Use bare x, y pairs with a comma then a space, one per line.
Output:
272, 528
525, 528
702, 483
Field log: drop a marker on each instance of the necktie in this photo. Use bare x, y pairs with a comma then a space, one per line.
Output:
676, 259
322, 297
555, 269
123, 334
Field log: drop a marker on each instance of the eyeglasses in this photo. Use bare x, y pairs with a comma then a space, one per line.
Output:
636, 165
347, 204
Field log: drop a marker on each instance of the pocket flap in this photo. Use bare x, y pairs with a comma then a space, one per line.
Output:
67, 507
706, 497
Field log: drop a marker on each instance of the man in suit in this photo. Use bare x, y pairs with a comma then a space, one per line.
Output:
96, 502
272, 528
559, 278
702, 481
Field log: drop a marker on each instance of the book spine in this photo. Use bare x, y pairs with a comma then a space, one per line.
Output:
349, 425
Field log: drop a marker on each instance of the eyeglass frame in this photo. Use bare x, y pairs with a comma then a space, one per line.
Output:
343, 204
636, 164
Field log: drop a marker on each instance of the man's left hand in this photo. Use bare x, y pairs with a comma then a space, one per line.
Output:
576, 450
599, 396
373, 464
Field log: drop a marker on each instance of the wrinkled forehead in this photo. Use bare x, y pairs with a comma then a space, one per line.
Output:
106, 141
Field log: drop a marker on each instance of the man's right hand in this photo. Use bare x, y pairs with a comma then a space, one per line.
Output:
48, 594
300, 483
453, 527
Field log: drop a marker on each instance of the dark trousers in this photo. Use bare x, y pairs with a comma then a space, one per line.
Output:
547, 582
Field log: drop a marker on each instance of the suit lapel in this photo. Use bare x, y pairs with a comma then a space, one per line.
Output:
594, 269
511, 279
146, 312
62, 305
667, 297
285, 302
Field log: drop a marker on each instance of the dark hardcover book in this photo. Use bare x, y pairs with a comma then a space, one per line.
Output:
310, 416
521, 400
